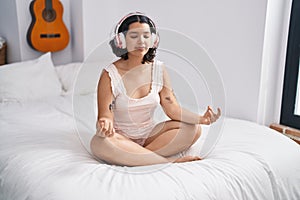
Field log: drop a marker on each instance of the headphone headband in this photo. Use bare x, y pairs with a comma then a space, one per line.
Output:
129, 15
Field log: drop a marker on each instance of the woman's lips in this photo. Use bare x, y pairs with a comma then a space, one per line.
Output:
140, 48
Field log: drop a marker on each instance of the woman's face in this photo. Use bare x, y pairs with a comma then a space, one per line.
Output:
138, 39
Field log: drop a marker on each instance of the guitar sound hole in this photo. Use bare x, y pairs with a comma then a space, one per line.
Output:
49, 15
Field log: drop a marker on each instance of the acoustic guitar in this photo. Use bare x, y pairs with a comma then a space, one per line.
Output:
47, 31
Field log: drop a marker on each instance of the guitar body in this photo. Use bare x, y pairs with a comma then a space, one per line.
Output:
47, 31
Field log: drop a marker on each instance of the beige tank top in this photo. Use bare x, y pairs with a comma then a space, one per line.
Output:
134, 117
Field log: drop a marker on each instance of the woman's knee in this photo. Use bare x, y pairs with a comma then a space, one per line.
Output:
198, 132
96, 145
192, 132
101, 146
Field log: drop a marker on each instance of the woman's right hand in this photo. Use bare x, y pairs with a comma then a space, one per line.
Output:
105, 127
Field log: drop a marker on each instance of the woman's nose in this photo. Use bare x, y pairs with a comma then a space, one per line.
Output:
141, 39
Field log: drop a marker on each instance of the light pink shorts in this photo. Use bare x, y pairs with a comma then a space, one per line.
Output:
139, 135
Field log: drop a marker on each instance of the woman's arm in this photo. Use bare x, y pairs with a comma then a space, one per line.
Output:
104, 100
174, 110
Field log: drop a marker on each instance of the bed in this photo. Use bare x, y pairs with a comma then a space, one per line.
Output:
44, 154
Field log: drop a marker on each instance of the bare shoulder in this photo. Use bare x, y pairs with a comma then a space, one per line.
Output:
104, 81
104, 87
118, 63
104, 77
163, 66
166, 78
164, 70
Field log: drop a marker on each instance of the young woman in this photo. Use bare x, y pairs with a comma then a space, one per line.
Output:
129, 90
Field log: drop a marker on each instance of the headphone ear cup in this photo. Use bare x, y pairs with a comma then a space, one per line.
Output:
122, 41
155, 40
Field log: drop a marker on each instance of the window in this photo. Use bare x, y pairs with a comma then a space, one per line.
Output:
290, 108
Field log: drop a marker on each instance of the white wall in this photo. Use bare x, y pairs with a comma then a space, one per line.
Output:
99, 19
245, 38
76, 30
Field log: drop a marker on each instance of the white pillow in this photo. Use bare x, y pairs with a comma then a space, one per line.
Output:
29, 80
67, 75
80, 78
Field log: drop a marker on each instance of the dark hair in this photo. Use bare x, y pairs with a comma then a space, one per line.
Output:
124, 27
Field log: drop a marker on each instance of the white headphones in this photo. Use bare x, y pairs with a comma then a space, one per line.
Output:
119, 38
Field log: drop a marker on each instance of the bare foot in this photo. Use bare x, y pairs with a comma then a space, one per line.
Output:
187, 159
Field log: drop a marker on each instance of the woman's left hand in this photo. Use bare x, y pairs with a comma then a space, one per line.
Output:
209, 116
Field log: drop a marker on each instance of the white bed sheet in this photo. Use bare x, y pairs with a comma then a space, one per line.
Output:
41, 157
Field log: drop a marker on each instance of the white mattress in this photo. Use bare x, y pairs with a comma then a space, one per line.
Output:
42, 157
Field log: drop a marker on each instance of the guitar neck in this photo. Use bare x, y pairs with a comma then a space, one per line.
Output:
48, 4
